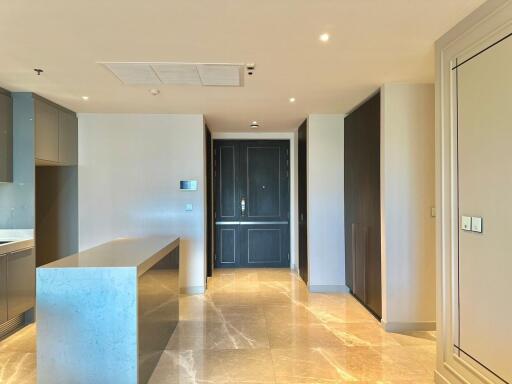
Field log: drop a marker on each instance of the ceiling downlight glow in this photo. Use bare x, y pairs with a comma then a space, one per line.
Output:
85, 98
324, 37
292, 99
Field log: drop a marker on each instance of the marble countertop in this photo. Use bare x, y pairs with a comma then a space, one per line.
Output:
140, 253
16, 239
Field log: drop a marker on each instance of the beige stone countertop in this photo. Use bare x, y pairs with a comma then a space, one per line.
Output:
141, 253
15, 239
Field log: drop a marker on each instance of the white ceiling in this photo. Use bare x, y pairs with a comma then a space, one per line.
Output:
372, 42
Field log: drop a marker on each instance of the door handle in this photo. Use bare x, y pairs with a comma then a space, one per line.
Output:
242, 206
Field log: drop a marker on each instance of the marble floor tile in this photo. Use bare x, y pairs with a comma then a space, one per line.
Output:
302, 336
289, 315
228, 366
17, 367
193, 335
263, 326
415, 338
306, 365
363, 334
22, 341
379, 363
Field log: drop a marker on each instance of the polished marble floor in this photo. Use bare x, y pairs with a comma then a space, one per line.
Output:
263, 326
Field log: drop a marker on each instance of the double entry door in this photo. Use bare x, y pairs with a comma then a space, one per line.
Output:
252, 203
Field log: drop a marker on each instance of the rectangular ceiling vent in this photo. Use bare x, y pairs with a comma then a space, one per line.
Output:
205, 74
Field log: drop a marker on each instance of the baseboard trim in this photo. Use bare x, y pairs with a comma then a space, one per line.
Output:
328, 289
197, 290
395, 326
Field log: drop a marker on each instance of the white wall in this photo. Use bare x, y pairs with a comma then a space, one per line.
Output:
292, 136
407, 197
326, 215
129, 171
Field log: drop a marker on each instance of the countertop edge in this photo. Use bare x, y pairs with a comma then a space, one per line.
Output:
146, 265
17, 245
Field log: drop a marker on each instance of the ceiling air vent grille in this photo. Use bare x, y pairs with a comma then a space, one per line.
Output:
205, 74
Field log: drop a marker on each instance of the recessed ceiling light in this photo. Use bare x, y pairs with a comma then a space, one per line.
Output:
292, 99
324, 37
254, 124
85, 98
154, 91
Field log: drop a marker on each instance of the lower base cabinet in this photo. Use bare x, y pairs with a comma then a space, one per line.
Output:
17, 283
21, 281
3, 288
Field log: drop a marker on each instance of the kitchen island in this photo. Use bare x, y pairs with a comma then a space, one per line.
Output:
105, 315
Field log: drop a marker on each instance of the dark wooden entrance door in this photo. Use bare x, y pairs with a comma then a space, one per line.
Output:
252, 203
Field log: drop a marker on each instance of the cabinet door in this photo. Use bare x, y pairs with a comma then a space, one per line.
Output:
47, 131
5, 138
21, 281
68, 138
3, 288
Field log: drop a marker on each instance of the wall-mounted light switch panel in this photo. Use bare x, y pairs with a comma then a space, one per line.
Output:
476, 224
188, 185
466, 223
188, 208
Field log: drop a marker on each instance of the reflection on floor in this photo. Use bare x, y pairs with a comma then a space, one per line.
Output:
263, 326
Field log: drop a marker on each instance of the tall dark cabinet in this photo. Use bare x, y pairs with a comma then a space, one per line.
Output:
303, 200
362, 204
209, 202
6, 137
56, 181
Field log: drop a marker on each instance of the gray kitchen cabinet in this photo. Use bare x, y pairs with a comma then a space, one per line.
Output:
6, 133
3, 288
68, 138
56, 135
47, 131
21, 281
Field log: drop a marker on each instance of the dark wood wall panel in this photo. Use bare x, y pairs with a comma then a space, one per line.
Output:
303, 201
362, 204
56, 232
209, 202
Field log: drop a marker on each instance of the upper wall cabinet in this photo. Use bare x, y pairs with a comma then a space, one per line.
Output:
68, 138
5, 137
47, 131
56, 134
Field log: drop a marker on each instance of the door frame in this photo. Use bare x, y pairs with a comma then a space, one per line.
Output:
292, 137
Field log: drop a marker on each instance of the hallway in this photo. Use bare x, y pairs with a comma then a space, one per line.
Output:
263, 326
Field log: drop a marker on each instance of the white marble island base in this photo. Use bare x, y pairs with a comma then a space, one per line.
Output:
105, 315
